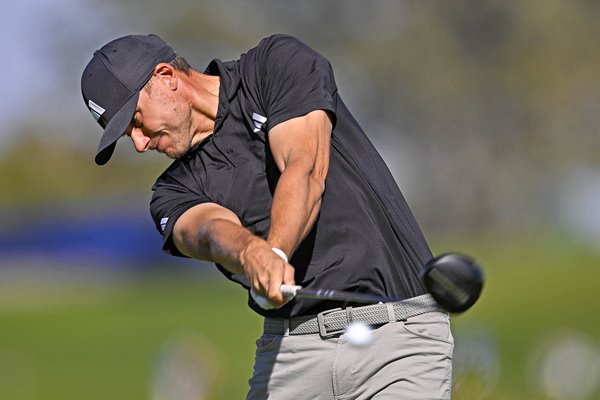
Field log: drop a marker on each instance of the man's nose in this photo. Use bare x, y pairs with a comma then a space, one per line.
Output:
140, 141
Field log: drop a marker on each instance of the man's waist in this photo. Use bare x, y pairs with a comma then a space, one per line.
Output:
332, 322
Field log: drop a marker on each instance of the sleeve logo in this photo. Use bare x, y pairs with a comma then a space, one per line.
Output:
163, 224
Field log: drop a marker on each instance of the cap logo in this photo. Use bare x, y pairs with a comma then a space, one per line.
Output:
96, 110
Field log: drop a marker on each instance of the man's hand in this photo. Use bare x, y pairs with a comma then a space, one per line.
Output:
266, 271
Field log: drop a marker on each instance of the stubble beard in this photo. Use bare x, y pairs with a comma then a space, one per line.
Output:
183, 141
180, 149
182, 145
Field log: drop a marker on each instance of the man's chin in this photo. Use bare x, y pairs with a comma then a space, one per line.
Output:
176, 155
173, 155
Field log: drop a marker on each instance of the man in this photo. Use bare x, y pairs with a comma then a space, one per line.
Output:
275, 182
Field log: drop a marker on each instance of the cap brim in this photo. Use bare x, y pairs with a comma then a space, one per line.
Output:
115, 129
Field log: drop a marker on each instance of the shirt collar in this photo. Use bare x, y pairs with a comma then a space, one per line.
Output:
229, 83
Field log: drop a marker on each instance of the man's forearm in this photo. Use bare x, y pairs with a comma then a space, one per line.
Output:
295, 207
300, 148
223, 242
213, 233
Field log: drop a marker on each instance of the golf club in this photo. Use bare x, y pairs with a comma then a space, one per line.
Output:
454, 280
337, 295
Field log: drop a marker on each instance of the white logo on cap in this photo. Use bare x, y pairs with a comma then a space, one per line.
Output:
95, 109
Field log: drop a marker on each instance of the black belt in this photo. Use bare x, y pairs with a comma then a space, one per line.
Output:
333, 322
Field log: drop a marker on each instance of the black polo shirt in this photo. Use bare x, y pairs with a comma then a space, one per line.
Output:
365, 238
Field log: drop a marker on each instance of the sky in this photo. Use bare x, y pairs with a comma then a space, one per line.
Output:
43, 60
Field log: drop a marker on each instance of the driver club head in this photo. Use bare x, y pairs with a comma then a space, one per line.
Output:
454, 280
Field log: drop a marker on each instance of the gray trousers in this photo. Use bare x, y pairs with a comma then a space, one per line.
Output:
406, 360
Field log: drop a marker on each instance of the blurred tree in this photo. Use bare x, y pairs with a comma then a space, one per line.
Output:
477, 105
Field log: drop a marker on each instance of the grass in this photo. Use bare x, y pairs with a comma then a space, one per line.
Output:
107, 345
102, 338
535, 289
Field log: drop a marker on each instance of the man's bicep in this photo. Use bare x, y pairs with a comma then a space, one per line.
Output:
186, 232
304, 139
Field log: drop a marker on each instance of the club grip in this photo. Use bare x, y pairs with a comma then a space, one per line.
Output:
289, 290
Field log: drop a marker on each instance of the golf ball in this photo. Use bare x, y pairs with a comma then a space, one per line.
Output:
358, 334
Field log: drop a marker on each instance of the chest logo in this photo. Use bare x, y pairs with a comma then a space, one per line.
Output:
259, 120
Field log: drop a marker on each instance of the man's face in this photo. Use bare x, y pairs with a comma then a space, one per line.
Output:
162, 120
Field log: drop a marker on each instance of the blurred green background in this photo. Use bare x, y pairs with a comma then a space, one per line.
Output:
485, 111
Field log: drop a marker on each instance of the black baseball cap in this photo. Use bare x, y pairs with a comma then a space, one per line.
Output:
112, 80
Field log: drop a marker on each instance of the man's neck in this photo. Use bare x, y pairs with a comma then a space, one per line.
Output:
204, 99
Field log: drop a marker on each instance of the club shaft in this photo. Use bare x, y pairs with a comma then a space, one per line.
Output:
336, 295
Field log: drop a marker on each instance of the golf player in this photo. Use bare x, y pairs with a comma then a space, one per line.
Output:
275, 182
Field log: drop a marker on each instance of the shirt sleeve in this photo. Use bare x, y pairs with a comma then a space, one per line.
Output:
294, 80
170, 199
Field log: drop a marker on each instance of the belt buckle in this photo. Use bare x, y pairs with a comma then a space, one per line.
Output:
321, 323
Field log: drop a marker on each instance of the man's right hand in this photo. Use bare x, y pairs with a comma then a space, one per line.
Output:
266, 271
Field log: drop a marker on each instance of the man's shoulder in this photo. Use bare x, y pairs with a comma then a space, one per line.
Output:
273, 45
274, 52
280, 40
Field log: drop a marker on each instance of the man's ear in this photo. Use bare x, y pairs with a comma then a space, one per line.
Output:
166, 72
